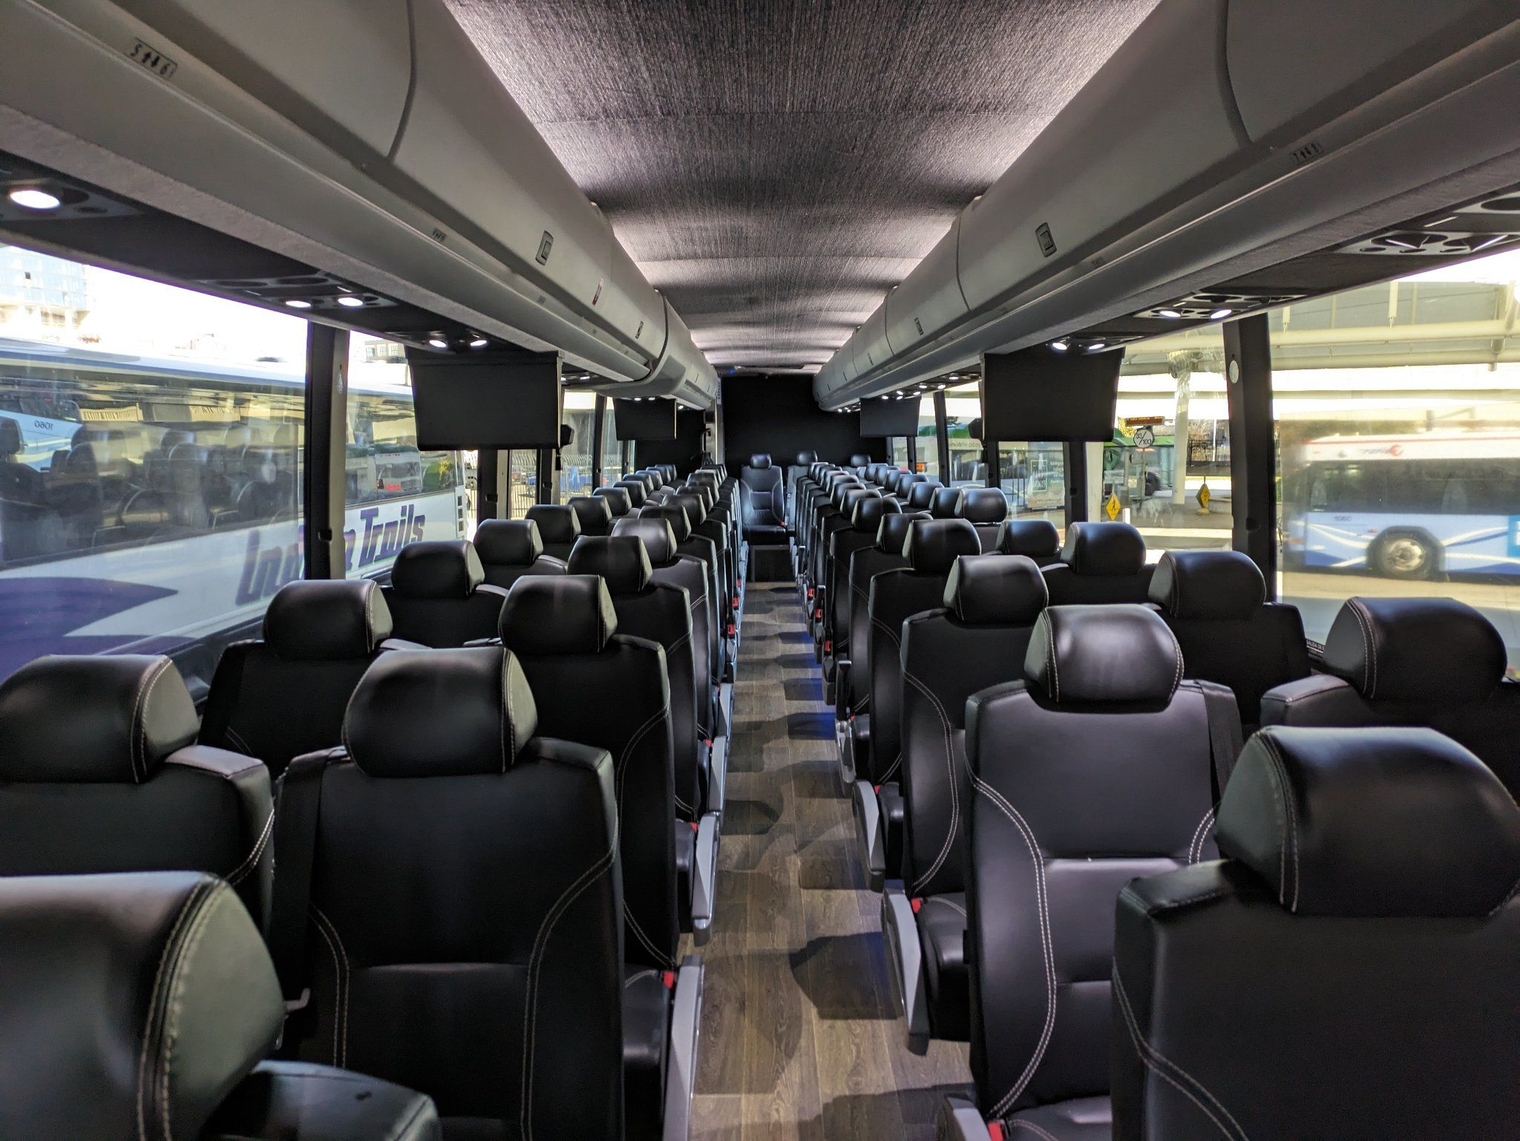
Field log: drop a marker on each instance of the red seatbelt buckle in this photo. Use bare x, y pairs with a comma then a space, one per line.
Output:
669, 979
695, 826
828, 645
916, 903
810, 594
995, 1131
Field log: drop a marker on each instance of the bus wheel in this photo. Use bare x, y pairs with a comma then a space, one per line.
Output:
1405, 556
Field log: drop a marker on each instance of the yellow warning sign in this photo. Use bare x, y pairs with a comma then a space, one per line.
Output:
1111, 508
1203, 499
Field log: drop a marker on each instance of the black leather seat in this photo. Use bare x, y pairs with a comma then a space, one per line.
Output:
283, 695
865, 564
1100, 562
460, 878
756, 481
931, 548
593, 513
945, 502
1432, 662
618, 502
865, 521
695, 507
99, 772
700, 547
509, 549
985, 508
438, 595
1099, 766
921, 495
978, 640
1215, 603
1344, 962
142, 1005
559, 525
638, 492
1035, 539
831, 523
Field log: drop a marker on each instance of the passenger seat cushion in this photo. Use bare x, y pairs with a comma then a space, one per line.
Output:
326, 620
646, 1042
1415, 650
942, 935
437, 568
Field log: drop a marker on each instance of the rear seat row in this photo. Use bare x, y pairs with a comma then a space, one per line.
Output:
472, 881
1059, 730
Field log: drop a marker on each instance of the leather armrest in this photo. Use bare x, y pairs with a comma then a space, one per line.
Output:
300, 1101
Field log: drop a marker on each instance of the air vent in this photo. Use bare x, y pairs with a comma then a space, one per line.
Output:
1490, 224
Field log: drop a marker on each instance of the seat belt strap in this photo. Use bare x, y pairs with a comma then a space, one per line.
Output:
297, 811
1225, 739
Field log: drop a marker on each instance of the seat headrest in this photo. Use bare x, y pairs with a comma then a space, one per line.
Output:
892, 533
859, 459
617, 499
557, 614
806, 459
703, 475
944, 502
1371, 822
693, 504
1114, 654
622, 562
675, 515
1209, 585
984, 505
656, 534
1032, 538
933, 545
557, 523
637, 491
995, 590
92, 720
439, 713
1106, 549
760, 462
509, 542
921, 494
326, 620
438, 568
592, 512
868, 511
654, 475
134, 1002
852, 495
1415, 649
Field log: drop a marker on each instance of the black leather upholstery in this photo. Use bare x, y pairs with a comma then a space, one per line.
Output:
945, 502
922, 494
474, 954
1431, 662
284, 695
659, 612
511, 549
593, 513
299, 1101
563, 632
699, 547
1035, 539
987, 591
865, 521
1072, 799
1356, 955
637, 490
667, 564
1100, 562
983, 505
757, 481
98, 773
865, 564
1214, 601
559, 525
617, 499
438, 595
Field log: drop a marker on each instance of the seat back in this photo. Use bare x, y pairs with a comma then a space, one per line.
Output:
1035, 539
99, 772
756, 481
977, 640
945, 502
1100, 562
704, 549
931, 548
658, 612
921, 495
1348, 981
985, 508
865, 522
438, 595
282, 695
885, 554
593, 513
509, 549
559, 525
564, 633
617, 499
637, 489
443, 804
668, 565
1432, 662
1092, 770
1215, 603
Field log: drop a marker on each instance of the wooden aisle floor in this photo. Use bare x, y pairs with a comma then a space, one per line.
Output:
799, 1040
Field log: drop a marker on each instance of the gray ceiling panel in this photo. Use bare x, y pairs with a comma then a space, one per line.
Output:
775, 167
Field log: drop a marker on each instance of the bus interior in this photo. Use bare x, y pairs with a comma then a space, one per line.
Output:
773, 572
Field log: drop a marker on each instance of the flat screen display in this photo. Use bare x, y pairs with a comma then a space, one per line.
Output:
1041, 395
644, 419
889, 417
467, 403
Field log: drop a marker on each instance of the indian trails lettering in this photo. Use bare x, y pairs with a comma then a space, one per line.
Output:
266, 569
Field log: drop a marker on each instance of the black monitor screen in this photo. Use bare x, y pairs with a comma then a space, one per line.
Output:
483, 402
1042, 395
644, 419
889, 416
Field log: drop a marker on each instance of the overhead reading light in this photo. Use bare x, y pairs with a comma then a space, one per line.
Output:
438, 342
1441, 222
1097, 346
1169, 314
1220, 314
1060, 346
481, 342
349, 301
34, 198
298, 303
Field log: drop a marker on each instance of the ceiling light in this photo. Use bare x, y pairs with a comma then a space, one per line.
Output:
1441, 221
481, 342
1097, 346
1220, 314
297, 303
438, 342
349, 301
1493, 241
1169, 314
34, 198
1059, 346
1403, 245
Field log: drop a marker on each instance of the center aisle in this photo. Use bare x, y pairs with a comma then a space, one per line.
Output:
799, 1039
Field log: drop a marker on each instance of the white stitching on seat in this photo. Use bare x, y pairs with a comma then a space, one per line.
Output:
172, 1006
955, 798
509, 720
1369, 662
1195, 849
1290, 822
169, 952
139, 726
947, 902
238, 873
1154, 1060
1055, 668
237, 739
341, 972
1046, 945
